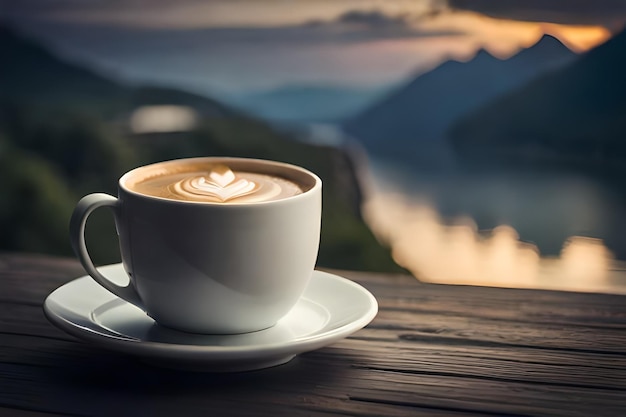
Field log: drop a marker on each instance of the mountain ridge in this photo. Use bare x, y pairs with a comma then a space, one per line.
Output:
411, 123
573, 112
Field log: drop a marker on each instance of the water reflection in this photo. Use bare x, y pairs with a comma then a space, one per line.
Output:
455, 251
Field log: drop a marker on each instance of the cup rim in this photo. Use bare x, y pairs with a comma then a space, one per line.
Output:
284, 165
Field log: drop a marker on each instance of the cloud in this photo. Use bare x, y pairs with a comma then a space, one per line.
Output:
608, 13
351, 26
374, 19
363, 25
187, 14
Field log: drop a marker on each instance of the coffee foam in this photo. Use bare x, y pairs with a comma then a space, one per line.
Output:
215, 183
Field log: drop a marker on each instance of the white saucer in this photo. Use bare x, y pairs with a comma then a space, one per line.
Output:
331, 308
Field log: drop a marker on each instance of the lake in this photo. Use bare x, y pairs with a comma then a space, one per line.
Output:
552, 230
527, 229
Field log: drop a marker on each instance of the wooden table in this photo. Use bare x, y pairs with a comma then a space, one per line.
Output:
433, 350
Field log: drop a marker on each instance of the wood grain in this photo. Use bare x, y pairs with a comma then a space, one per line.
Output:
433, 350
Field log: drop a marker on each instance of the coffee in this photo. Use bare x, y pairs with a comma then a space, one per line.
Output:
213, 182
209, 245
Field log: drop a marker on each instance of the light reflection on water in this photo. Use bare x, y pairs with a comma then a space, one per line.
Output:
453, 250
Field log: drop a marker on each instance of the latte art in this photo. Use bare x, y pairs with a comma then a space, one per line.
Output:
221, 184
223, 192
218, 184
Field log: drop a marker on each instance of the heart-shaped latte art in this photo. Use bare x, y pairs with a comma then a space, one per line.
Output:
221, 176
220, 184
226, 192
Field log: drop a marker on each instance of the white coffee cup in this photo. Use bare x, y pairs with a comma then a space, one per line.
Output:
210, 267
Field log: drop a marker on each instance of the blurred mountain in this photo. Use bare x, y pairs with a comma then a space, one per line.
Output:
32, 75
411, 123
575, 115
66, 131
307, 103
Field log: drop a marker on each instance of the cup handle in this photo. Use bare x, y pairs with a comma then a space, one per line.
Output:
83, 209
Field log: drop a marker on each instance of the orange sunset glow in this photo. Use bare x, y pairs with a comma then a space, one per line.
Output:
578, 38
505, 37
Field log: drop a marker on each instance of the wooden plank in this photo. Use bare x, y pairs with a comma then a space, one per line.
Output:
118, 384
477, 331
488, 397
433, 350
327, 381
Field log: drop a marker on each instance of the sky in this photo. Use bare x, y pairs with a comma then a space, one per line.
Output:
235, 46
